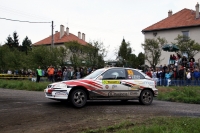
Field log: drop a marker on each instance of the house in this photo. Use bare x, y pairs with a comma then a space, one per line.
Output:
185, 22
60, 38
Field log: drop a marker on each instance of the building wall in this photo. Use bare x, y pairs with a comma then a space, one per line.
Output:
170, 35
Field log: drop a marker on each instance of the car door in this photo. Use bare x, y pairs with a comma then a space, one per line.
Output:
111, 82
135, 80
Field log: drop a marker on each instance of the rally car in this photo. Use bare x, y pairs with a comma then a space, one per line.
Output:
115, 83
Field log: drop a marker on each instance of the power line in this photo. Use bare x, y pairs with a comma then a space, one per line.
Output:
22, 20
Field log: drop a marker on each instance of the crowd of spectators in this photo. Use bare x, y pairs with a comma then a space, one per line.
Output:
51, 73
180, 71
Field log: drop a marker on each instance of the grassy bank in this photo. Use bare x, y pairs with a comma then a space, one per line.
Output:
154, 125
186, 94
23, 85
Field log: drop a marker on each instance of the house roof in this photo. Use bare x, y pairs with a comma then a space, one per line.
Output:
57, 40
183, 18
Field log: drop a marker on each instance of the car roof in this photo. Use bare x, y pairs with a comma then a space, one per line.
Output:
122, 67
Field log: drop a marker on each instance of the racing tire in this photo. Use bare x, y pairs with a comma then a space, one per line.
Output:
78, 98
146, 97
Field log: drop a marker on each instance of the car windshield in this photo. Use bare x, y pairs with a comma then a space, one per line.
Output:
94, 74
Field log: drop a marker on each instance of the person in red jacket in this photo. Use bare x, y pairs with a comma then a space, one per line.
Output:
149, 73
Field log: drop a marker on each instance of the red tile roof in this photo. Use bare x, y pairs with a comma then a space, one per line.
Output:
183, 18
57, 40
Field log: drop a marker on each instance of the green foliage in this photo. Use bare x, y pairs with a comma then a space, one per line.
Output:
9, 41
153, 48
44, 56
15, 39
124, 50
181, 94
23, 85
126, 58
26, 45
92, 54
187, 45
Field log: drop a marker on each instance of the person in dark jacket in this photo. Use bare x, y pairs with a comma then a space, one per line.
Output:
181, 75
175, 77
162, 77
196, 75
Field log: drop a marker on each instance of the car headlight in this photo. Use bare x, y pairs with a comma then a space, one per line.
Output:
61, 85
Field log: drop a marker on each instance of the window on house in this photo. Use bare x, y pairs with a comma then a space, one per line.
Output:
185, 33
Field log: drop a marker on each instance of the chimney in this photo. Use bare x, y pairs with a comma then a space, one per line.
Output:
56, 32
61, 31
170, 13
197, 10
83, 36
79, 35
67, 31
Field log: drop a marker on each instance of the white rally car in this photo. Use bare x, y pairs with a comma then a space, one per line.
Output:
116, 83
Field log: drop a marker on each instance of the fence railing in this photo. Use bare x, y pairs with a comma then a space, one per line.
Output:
172, 82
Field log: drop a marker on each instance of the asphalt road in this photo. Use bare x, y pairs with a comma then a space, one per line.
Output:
30, 112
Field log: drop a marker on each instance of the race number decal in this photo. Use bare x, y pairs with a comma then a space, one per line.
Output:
130, 72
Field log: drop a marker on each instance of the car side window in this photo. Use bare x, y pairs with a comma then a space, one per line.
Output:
114, 74
133, 74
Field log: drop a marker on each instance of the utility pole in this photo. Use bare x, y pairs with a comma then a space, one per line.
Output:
52, 38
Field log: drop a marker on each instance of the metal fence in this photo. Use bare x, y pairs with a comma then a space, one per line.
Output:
172, 82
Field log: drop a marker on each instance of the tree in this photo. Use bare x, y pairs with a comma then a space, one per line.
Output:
153, 48
76, 52
15, 39
95, 52
9, 41
124, 52
187, 45
26, 45
141, 58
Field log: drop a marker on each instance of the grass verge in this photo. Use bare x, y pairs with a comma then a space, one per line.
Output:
180, 94
154, 125
23, 85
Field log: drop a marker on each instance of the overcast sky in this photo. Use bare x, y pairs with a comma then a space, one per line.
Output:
107, 21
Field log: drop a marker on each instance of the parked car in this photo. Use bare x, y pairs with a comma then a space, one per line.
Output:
116, 83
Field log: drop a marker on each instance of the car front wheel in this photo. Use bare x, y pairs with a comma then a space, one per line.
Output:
78, 98
146, 97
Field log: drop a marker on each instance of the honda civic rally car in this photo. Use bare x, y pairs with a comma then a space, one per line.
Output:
114, 83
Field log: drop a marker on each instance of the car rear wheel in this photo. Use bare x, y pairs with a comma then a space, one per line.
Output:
78, 98
146, 97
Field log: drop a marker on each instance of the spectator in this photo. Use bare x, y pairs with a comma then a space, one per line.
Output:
162, 77
39, 74
188, 77
181, 75
191, 65
184, 61
167, 78
66, 74
196, 76
164, 67
9, 71
175, 76
59, 75
77, 74
50, 72
149, 73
